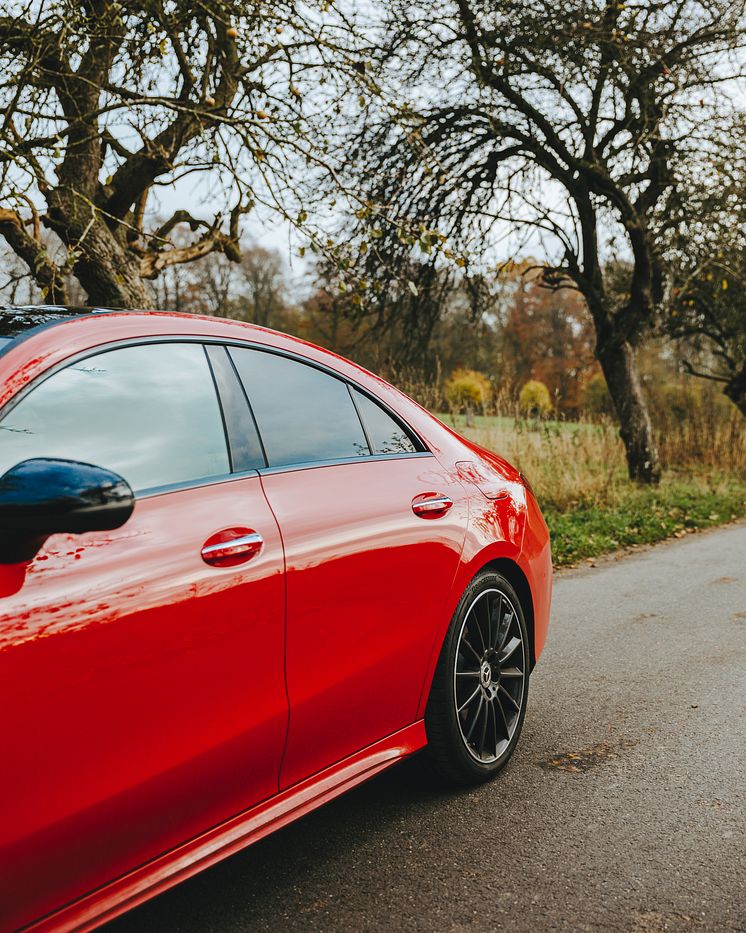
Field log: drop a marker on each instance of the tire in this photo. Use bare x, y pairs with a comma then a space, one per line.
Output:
471, 740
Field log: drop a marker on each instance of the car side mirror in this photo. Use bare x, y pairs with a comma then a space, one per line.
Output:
42, 497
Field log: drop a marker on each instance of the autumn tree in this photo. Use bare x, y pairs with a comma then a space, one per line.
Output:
105, 101
425, 319
570, 121
547, 335
262, 285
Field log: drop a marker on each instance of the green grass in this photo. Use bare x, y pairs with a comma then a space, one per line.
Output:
643, 516
510, 423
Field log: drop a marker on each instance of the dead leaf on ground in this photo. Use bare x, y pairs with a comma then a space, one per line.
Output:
653, 921
644, 616
582, 761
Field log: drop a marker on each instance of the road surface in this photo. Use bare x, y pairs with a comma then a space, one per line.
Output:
622, 809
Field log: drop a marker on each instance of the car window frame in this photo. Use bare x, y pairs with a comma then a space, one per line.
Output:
226, 342
363, 421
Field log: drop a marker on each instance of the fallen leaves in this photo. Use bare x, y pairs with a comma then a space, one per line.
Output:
581, 761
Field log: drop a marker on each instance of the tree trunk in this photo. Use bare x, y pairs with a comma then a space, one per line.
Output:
735, 389
619, 366
108, 272
111, 279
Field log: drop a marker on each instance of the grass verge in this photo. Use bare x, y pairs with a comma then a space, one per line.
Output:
579, 473
638, 515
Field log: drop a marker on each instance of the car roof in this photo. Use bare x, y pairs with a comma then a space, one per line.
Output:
17, 321
44, 335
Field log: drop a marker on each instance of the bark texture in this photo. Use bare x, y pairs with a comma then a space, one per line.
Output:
619, 365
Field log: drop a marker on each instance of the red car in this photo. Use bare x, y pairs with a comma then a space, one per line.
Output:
238, 576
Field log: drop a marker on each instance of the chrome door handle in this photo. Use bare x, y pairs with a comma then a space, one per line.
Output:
431, 505
231, 546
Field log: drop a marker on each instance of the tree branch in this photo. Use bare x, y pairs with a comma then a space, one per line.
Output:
34, 253
688, 368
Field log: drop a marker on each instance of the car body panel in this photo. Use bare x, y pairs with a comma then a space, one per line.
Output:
339, 527
141, 690
357, 650
230, 837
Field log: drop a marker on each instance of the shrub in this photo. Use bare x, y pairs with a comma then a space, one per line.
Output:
467, 389
596, 398
534, 399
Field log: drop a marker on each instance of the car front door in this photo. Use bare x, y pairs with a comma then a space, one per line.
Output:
369, 568
142, 692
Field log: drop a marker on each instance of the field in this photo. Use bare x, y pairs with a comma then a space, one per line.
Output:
579, 475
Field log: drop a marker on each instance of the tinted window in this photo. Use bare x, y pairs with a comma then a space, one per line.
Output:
303, 414
149, 413
386, 436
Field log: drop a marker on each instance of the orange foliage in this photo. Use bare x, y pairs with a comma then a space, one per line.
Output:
548, 336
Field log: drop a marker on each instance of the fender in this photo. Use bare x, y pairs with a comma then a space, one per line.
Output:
508, 526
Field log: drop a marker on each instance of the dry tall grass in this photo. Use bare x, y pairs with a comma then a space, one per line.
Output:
708, 440
567, 464
582, 463
573, 464
579, 471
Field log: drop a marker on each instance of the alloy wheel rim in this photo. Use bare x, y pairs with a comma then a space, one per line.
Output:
489, 675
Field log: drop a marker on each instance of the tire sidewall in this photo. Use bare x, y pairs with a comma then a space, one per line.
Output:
463, 761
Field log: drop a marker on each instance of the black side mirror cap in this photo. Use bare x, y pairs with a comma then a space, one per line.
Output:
42, 497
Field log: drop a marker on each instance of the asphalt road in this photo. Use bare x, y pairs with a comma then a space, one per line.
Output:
622, 809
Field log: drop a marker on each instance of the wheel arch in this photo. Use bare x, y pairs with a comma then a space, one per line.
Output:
518, 580
513, 573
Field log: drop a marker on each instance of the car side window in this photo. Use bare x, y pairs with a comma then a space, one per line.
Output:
303, 414
386, 436
149, 412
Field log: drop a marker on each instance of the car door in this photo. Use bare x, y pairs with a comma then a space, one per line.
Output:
142, 695
369, 566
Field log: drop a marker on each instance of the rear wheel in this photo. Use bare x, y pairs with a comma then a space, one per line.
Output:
478, 698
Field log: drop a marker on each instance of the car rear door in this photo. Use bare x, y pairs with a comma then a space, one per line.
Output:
370, 553
142, 694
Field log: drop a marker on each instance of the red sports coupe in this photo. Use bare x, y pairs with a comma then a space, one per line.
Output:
238, 576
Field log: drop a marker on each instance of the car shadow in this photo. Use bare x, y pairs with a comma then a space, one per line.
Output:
252, 883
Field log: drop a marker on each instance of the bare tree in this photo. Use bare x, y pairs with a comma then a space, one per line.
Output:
103, 101
261, 282
708, 307
710, 315
570, 121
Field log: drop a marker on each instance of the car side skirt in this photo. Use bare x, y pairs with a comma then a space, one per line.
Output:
230, 837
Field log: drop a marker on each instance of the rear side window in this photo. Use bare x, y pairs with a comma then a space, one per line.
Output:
386, 436
148, 412
303, 414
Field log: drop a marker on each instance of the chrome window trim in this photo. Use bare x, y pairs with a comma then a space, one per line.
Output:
370, 458
150, 492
